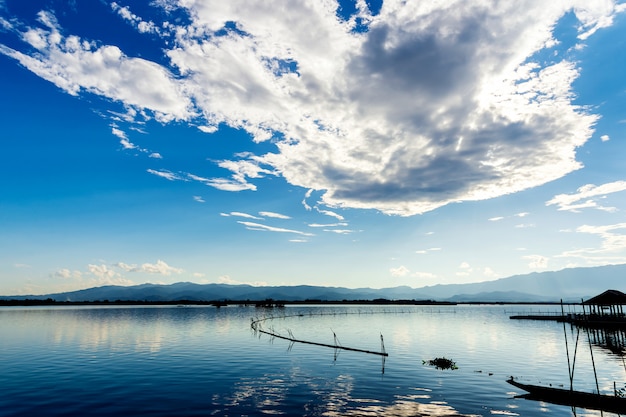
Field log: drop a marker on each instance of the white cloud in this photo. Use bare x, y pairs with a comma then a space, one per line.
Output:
199, 199
424, 275
76, 65
141, 25
245, 215
224, 184
605, 138
102, 271
5, 23
612, 249
328, 225
574, 202
307, 207
265, 228
452, 87
400, 271
119, 133
155, 155
496, 219
68, 274
225, 279
166, 174
126, 144
330, 214
160, 267
536, 261
403, 271
95, 275
488, 272
208, 129
340, 231
274, 215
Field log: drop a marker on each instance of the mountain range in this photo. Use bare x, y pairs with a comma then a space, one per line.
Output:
571, 285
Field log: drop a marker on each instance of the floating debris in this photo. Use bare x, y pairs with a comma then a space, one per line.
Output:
441, 363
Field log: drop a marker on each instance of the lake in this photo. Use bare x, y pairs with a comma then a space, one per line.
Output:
201, 360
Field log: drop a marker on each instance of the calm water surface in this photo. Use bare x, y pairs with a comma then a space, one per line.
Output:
184, 361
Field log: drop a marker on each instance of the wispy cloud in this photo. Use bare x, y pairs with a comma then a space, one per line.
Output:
67, 274
331, 214
126, 144
499, 218
274, 215
340, 231
245, 215
168, 175
612, 248
328, 224
525, 225
141, 25
450, 88
266, 228
585, 197
304, 202
424, 251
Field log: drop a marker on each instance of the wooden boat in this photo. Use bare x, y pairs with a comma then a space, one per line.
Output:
563, 396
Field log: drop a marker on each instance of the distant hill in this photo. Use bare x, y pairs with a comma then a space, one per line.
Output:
570, 284
567, 284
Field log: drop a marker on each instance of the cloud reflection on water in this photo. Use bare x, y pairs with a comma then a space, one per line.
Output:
272, 393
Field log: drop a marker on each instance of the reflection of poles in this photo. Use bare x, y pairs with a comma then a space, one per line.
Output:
593, 362
570, 369
571, 366
382, 349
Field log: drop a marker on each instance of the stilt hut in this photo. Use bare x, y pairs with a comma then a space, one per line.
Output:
606, 307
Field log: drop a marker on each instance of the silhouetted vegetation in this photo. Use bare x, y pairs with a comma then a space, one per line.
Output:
441, 363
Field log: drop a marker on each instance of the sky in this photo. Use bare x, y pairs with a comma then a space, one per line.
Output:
352, 143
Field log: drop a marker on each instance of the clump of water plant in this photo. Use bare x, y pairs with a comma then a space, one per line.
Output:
441, 363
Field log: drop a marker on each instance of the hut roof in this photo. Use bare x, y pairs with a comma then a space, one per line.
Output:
607, 298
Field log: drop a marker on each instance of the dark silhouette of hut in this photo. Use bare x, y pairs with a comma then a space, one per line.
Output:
605, 319
606, 309
610, 303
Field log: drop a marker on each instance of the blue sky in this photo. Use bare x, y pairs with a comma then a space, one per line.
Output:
356, 144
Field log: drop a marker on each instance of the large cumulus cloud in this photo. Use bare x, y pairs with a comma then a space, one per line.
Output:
435, 102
